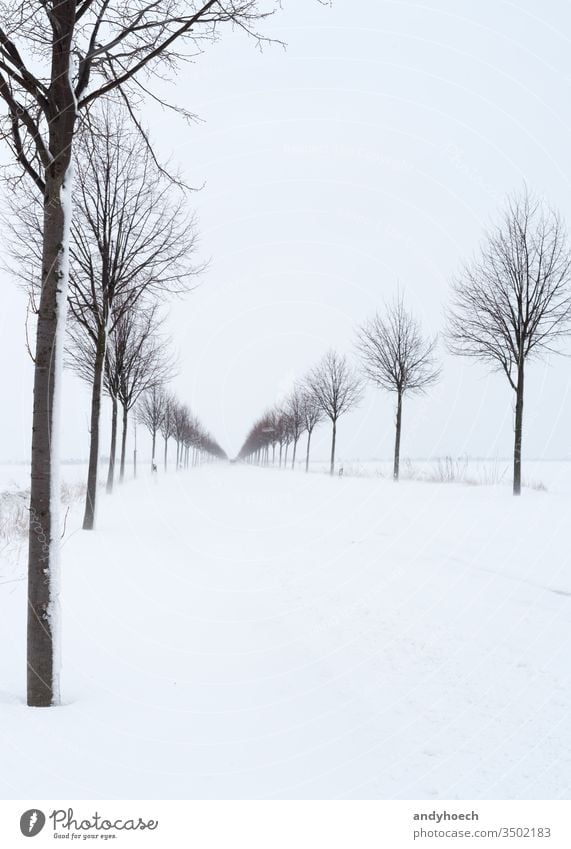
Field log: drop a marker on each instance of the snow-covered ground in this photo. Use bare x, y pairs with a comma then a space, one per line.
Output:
233, 632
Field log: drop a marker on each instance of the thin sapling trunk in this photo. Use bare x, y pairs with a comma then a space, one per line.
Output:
396, 465
113, 449
91, 494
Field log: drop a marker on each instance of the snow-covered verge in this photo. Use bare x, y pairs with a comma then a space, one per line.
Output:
15, 516
233, 632
540, 475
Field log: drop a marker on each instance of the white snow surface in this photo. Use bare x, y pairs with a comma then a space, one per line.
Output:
233, 632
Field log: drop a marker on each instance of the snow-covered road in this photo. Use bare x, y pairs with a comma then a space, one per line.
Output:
231, 632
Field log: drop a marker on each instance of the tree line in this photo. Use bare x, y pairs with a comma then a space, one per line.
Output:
63, 63
132, 246
510, 303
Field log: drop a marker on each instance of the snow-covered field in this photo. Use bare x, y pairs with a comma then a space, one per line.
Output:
233, 632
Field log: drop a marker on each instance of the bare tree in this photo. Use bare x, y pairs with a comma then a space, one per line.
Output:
337, 389
111, 380
312, 416
513, 302
281, 426
137, 361
397, 357
181, 424
143, 241
167, 425
151, 413
296, 419
81, 357
57, 58
286, 432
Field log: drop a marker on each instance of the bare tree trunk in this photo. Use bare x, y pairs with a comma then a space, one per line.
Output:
309, 432
123, 445
113, 449
285, 457
273, 453
91, 494
294, 453
153, 450
281, 450
43, 661
396, 464
518, 431
333, 440
166, 451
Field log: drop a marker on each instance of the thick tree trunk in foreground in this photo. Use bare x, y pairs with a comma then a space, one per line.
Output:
518, 432
91, 494
123, 445
396, 464
309, 432
43, 637
43, 650
113, 449
294, 453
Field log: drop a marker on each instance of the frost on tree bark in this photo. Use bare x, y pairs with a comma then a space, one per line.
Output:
307, 450
43, 573
43, 638
333, 441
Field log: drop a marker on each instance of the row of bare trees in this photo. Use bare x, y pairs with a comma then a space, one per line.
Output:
329, 390
163, 415
511, 303
395, 355
132, 245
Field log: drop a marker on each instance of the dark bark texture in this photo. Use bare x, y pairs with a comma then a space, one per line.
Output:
42, 674
113, 448
98, 367
398, 425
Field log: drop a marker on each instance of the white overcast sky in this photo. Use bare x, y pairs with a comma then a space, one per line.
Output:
371, 153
